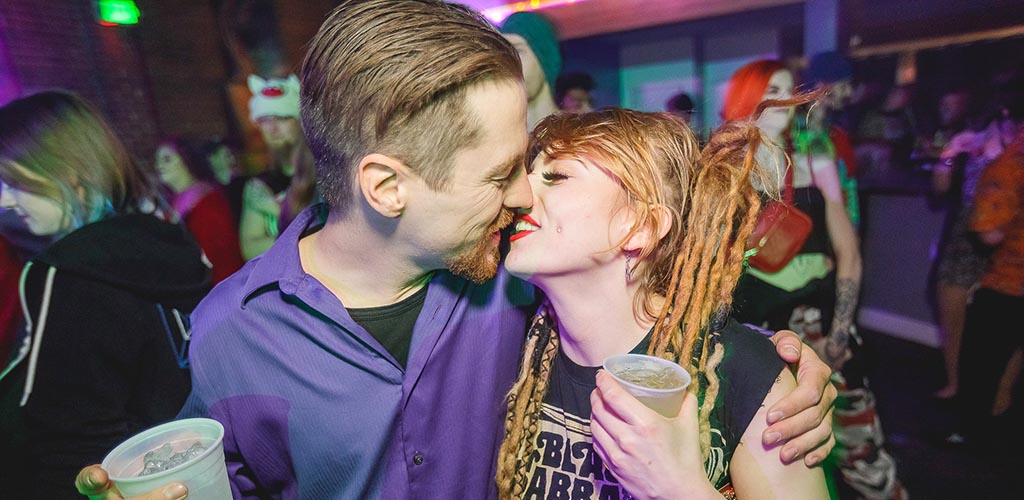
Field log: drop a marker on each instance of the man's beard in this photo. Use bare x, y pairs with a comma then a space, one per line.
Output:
479, 263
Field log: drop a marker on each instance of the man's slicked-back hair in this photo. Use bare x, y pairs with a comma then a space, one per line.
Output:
391, 77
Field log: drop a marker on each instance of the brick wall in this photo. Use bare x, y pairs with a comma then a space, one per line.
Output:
59, 44
165, 76
298, 22
185, 66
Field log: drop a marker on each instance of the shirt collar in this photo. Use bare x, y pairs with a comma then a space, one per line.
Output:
280, 265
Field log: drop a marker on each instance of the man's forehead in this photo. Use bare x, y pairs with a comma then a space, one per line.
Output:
498, 110
498, 106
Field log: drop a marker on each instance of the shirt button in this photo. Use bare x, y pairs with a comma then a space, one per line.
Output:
417, 458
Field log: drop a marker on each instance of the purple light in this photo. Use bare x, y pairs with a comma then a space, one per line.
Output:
498, 10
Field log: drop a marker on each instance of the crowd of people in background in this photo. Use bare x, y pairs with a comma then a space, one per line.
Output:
107, 256
113, 337
125, 253
953, 140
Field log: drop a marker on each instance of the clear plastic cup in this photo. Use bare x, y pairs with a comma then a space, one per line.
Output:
658, 383
206, 475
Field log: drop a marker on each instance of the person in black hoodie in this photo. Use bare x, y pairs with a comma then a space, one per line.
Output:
104, 351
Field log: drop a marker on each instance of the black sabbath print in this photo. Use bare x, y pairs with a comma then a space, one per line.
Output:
565, 466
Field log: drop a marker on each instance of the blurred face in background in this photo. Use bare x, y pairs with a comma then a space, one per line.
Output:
897, 99
840, 95
172, 169
43, 216
577, 101
953, 108
279, 132
776, 120
223, 164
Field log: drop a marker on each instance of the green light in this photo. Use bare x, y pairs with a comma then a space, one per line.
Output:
117, 12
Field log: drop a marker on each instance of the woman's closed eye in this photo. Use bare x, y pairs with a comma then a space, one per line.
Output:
554, 176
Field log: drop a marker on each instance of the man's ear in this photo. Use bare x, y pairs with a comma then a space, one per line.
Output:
651, 233
381, 180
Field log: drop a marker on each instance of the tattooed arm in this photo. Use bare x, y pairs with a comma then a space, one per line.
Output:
848, 266
838, 341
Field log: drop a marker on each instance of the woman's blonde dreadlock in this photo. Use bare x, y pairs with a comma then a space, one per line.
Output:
524, 406
722, 214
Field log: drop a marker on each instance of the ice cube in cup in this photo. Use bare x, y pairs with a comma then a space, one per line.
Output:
165, 458
169, 453
657, 383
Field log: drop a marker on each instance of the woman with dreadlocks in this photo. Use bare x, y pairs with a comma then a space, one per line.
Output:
627, 208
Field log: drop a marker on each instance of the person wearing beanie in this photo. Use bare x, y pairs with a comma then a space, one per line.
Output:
535, 39
271, 199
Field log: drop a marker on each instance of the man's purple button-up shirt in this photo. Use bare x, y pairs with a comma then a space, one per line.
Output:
315, 408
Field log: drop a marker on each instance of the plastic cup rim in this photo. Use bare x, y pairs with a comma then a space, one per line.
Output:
689, 379
164, 473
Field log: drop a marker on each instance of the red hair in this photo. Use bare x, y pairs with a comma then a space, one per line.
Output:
746, 88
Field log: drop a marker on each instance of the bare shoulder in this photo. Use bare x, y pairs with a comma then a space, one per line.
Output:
756, 469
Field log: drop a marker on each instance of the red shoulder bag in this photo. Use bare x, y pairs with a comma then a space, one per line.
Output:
780, 231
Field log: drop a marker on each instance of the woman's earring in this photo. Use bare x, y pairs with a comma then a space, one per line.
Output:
629, 269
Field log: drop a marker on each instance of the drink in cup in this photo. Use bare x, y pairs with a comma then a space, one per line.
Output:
658, 383
189, 451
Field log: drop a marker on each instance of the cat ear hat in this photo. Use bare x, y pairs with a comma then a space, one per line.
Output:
273, 97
